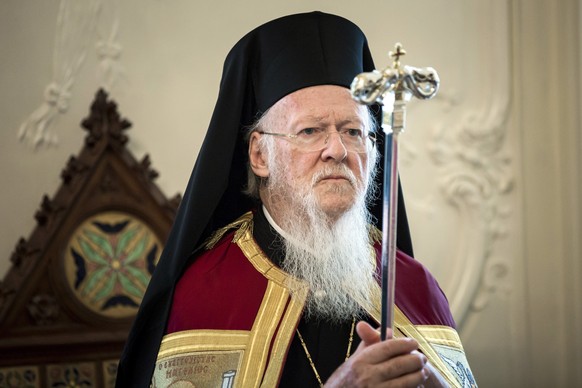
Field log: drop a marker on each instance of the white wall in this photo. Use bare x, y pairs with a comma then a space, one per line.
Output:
490, 167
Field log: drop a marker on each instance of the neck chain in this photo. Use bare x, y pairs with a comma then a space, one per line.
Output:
309, 355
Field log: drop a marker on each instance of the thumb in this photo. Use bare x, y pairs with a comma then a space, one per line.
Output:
368, 334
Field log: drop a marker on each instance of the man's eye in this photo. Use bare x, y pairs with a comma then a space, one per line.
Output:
308, 132
353, 132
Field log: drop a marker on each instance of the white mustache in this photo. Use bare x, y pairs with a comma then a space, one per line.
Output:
339, 170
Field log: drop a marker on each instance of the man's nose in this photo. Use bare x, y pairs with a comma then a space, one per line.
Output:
334, 147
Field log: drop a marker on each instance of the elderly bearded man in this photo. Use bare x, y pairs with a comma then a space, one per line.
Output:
272, 298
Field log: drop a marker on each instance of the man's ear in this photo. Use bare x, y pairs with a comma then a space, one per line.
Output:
257, 158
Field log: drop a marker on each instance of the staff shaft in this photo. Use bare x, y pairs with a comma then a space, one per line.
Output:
389, 233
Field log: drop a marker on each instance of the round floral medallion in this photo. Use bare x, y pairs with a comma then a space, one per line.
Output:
109, 261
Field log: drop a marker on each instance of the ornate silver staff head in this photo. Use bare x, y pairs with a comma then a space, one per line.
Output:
393, 87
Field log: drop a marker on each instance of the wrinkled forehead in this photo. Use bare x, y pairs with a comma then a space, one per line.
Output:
324, 104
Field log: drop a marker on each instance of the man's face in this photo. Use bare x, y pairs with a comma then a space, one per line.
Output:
335, 177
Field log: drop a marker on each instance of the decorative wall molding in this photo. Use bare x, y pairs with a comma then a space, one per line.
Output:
473, 171
109, 50
78, 23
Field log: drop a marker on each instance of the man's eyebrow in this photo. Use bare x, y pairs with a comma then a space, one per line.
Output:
319, 119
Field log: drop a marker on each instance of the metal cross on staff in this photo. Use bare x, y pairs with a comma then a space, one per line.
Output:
392, 88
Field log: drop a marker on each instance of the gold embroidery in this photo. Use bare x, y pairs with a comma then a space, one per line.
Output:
204, 358
246, 220
196, 340
442, 335
263, 330
283, 338
255, 345
410, 330
282, 307
290, 305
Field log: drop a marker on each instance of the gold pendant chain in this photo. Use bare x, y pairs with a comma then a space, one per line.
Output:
309, 355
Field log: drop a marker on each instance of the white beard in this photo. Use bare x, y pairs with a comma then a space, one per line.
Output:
333, 257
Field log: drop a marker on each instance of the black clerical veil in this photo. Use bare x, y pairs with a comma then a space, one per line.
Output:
275, 59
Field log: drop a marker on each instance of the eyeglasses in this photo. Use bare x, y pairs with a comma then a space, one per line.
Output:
316, 139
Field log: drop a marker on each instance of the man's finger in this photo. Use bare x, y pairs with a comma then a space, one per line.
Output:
368, 334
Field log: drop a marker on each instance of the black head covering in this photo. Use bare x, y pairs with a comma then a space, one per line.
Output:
275, 59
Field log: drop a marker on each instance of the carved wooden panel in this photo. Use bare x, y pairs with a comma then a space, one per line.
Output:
67, 302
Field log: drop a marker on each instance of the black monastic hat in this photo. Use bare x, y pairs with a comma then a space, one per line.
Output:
275, 59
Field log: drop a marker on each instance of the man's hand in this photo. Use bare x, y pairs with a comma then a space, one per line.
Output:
390, 363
